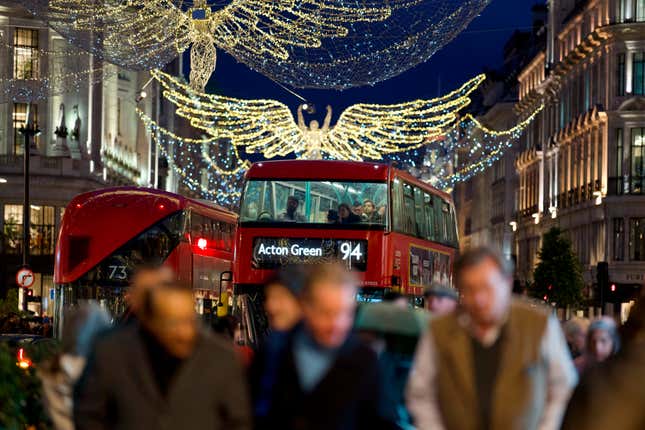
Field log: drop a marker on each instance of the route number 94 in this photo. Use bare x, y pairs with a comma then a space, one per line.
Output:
349, 253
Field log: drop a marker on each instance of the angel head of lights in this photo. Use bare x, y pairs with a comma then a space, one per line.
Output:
306, 43
363, 131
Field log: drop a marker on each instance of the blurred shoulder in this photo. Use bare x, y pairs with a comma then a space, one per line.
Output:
215, 343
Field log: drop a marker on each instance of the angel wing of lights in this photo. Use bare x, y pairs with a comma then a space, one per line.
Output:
147, 34
363, 131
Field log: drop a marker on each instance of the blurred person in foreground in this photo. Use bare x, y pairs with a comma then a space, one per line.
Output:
441, 300
575, 331
166, 372
610, 395
496, 363
397, 299
326, 378
282, 306
144, 278
602, 342
59, 375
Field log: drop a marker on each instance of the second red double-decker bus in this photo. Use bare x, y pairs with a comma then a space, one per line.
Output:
105, 234
398, 232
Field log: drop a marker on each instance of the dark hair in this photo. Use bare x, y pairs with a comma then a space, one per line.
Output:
333, 273
476, 256
291, 277
332, 215
368, 201
148, 307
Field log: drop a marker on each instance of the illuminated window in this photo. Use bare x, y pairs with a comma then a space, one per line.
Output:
637, 159
42, 230
25, 54
19, 117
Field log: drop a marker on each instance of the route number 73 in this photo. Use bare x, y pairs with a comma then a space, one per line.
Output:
118, 272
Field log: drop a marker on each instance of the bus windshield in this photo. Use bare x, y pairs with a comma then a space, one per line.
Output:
315, 202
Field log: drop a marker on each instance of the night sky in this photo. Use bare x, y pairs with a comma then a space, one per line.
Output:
478, 46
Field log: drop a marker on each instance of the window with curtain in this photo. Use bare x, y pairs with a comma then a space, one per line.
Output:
619, 239
640, 9
639, 74
637, 239
18, 119
620, 75
25, 53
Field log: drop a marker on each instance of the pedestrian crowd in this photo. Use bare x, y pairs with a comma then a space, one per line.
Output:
484, 359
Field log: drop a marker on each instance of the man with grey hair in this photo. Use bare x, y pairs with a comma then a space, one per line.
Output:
496, 363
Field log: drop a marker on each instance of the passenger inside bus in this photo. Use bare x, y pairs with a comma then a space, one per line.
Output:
370, 214
346, 216
315, 202
291, 214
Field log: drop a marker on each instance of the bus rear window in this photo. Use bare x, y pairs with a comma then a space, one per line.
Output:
315, 202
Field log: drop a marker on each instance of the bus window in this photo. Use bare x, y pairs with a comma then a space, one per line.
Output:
421, 225
314, 202
408, 210
429, 217
397, 208
439, 215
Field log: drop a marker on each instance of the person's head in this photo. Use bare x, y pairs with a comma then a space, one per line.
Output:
328, 303
282, 302
358, 208
313, 125
575, 331
344, 211
144, 278
169, 314
484, 280
441, 300
602, 339
292, 204
368, 207
397, 299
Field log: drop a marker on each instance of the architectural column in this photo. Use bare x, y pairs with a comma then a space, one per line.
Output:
540, 188
604, 151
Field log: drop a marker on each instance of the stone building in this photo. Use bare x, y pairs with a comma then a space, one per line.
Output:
582, 166
90, 137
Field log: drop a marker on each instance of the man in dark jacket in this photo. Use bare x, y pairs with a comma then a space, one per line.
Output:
165, 373
326, 378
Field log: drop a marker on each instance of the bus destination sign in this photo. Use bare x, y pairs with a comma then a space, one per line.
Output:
272, 252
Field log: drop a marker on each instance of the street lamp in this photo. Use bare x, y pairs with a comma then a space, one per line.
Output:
28, 130
3, 180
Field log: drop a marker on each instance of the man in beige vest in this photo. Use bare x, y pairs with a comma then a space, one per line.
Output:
495, 364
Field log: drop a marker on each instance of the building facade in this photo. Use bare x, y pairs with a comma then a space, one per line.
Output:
582, 167
486, 203
91, 137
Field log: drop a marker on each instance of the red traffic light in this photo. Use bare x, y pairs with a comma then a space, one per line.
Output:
29, 292
613, 288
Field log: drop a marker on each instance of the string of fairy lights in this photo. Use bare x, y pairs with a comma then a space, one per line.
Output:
363, 131
68, 71
462, 146
146, 34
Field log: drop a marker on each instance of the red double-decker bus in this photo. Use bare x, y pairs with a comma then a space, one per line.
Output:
398, 232
105, 234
